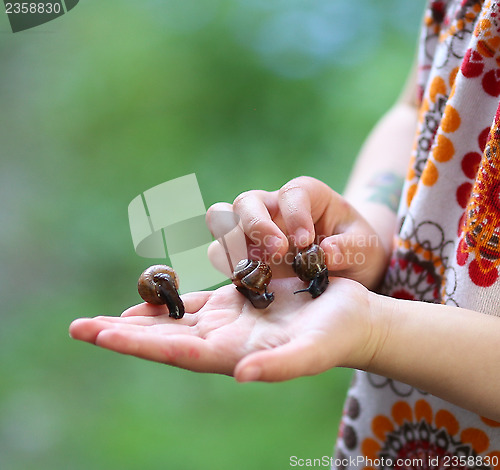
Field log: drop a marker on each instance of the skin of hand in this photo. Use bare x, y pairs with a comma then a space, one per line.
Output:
223, 333
303, 211
347, 326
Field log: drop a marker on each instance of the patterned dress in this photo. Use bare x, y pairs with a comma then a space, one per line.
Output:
448, 247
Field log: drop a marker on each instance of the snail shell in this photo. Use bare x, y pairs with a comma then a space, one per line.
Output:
310, 266
158, 285
251, 278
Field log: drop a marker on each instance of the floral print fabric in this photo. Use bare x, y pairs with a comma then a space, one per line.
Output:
448, 247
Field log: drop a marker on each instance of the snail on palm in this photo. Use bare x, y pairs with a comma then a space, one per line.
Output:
310, 266
158, 285
251, 278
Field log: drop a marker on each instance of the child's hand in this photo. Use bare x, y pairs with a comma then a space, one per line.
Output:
221, 332
304, 211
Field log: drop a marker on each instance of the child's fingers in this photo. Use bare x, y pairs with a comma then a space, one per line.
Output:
357, 254
342, 249
187, 352
311, 208
87, 329
231, 244
145, 310
295, 206
193, 301
257, 209
347, 250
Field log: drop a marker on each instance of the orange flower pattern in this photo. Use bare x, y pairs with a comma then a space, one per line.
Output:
418, 436
413, 430
447, 249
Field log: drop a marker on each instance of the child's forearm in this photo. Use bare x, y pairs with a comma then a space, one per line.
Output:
448, 351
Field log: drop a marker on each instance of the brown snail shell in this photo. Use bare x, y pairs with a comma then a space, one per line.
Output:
158, 285
310, 266
251, 278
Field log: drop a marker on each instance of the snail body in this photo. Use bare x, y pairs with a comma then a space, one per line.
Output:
251, 278
310, 266
159, 285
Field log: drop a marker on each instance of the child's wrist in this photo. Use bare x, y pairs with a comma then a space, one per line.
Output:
381, 311
367, 330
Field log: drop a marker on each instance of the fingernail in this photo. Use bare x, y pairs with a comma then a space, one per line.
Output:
254, 252
302, 237
333, 253
273, 244
250, 374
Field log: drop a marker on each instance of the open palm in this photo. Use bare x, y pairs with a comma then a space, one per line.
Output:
223, 333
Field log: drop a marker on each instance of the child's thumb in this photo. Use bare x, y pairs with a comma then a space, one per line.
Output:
347, 250
294, 359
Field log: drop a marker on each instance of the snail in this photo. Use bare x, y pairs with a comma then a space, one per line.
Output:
158, 285
309, 265
251, 278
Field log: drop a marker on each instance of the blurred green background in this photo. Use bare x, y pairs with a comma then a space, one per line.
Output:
116, 97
